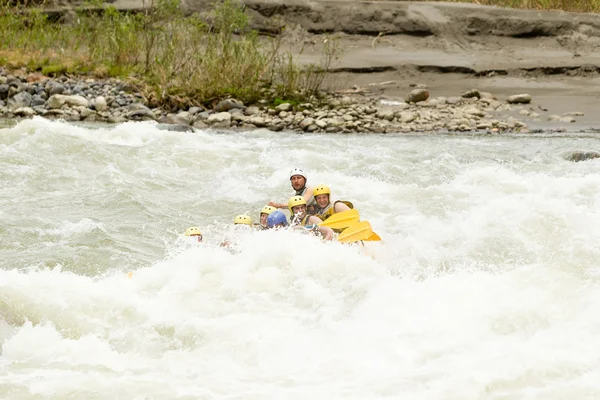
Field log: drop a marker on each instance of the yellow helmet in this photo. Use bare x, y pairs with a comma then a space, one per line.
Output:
321, 189
193, 231
295, 201
267, 210
242, 219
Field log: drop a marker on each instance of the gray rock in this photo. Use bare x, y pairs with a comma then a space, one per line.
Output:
406, 116
175, 119
194, 110
454, 100
37, 101
203, 116
117, 119
258, 121
386, 114
54, 87
474, 111
24, 112
140, 114
473, 93
229, 104
305, 123
284, 107
321, 123
100, 103
519, 99
577, 156
58, 100
574, 114
275, 125
175, 127
251, 110
83, 111
22, 99
3, 91
335, 121
219, 118
417, 95
199, 124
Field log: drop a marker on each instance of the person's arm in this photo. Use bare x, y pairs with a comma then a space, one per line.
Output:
308, 194
326, 231
277, 205
339, 207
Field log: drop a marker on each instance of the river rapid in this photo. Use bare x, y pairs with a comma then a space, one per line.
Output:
485, 285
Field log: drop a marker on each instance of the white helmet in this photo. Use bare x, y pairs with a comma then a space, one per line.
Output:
297, 171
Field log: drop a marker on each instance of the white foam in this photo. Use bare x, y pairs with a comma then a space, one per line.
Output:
484, 286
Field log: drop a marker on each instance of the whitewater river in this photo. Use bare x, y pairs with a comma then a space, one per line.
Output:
485, 286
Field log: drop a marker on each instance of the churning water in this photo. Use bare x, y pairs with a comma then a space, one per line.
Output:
485, 286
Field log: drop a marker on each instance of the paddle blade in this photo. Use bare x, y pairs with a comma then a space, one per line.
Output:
373, 238
355, 233
342, 220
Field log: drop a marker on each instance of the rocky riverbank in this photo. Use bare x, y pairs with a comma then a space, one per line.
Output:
357, 110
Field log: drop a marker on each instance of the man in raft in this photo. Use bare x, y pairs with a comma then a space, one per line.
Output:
325, 208
300, 217
264, 214
193, 231
298, 182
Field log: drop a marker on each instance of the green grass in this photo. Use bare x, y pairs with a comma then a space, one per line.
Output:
177, 60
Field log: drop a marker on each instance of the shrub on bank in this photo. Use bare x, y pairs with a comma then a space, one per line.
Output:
177, 59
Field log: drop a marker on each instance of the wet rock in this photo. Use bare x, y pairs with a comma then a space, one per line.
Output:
577, 156
141, 114
199, 124
258, 121
524, 112
574, 114
519, 99
221, 118
175, 127
24, 112
114, 119
417, 95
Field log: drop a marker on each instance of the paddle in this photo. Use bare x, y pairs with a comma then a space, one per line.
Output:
342, 220
358, 232
373, 238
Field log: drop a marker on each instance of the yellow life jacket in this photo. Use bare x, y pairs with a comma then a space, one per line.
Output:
328, 211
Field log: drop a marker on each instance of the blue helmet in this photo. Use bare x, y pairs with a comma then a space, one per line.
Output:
275, 218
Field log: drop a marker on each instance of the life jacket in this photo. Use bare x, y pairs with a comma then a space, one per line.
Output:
328, 211
311, 204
